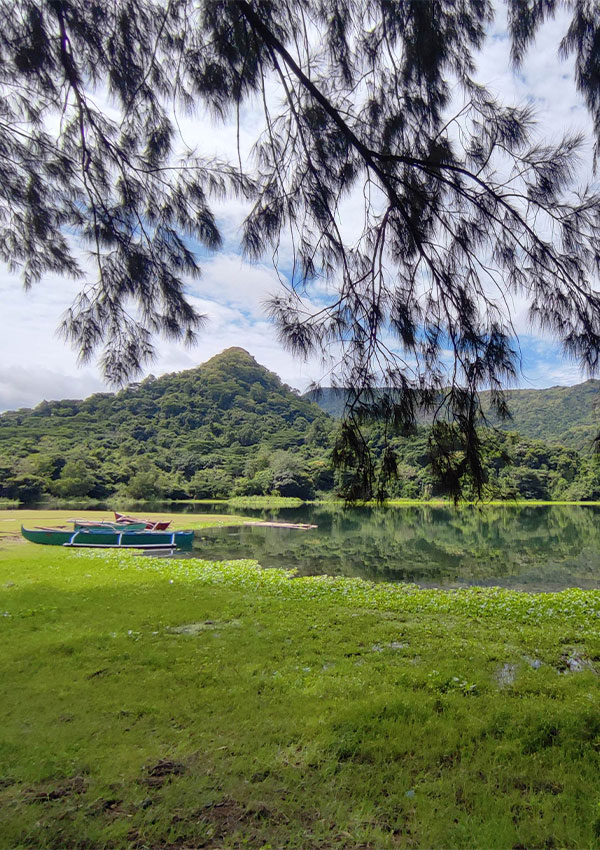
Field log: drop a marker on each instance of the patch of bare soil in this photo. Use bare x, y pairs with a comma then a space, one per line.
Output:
213, 824
112, 807
224, 817
75, 785
161, 772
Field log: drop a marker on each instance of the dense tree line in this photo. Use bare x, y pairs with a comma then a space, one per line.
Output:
231, 428
514, 467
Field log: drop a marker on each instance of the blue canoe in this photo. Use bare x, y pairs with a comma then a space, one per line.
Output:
108, 538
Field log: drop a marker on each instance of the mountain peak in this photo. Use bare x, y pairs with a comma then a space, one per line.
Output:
235, 351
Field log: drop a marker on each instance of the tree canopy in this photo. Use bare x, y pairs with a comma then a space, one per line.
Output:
464, 206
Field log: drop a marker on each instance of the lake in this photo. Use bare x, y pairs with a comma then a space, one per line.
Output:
533, 548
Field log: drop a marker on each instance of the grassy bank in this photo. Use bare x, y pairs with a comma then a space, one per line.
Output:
155, 703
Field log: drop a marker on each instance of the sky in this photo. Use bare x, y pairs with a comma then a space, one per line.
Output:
37, 365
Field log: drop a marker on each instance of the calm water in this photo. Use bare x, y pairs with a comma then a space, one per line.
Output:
529, 548
532, 548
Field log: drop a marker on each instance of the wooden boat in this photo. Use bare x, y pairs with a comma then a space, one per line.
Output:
108, 538
149, 524
113, 526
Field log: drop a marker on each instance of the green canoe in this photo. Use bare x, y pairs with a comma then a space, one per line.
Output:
107, 538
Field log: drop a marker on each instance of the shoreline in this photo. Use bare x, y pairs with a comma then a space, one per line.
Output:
280, 503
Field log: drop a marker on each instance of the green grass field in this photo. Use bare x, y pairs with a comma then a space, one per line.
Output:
157, 703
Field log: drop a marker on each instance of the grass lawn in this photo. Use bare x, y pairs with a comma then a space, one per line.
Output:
157, 703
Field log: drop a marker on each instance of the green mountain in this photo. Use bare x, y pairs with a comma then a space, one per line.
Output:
188, 433
565, 416
230, 427
568, 416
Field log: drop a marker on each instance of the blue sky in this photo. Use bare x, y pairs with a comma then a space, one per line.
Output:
36, 365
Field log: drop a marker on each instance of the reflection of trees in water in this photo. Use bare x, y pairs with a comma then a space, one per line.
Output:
530, 546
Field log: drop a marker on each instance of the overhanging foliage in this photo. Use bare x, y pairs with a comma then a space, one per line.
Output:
464, 207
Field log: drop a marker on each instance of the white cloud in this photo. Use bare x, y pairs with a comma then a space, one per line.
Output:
544, 79
36, 365
26, 386
230, 281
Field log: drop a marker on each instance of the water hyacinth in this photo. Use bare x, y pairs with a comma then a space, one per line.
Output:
580, 607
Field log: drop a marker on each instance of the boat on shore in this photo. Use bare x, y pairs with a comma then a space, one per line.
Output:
98, 537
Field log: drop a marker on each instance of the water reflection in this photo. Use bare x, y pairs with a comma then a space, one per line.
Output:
534, 548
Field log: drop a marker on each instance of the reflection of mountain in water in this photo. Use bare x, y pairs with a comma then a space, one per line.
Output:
537, 548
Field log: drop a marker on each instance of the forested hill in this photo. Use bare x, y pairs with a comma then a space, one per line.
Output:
232, 428
567, 416
188, 433
230, 399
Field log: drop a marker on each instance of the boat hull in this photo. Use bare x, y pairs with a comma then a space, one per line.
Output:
109, 539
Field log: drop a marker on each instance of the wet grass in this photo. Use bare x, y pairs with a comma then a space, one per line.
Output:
155, 703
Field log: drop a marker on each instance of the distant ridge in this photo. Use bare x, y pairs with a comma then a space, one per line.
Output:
568, 416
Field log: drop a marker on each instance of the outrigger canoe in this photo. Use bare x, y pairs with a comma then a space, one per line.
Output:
108, 538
